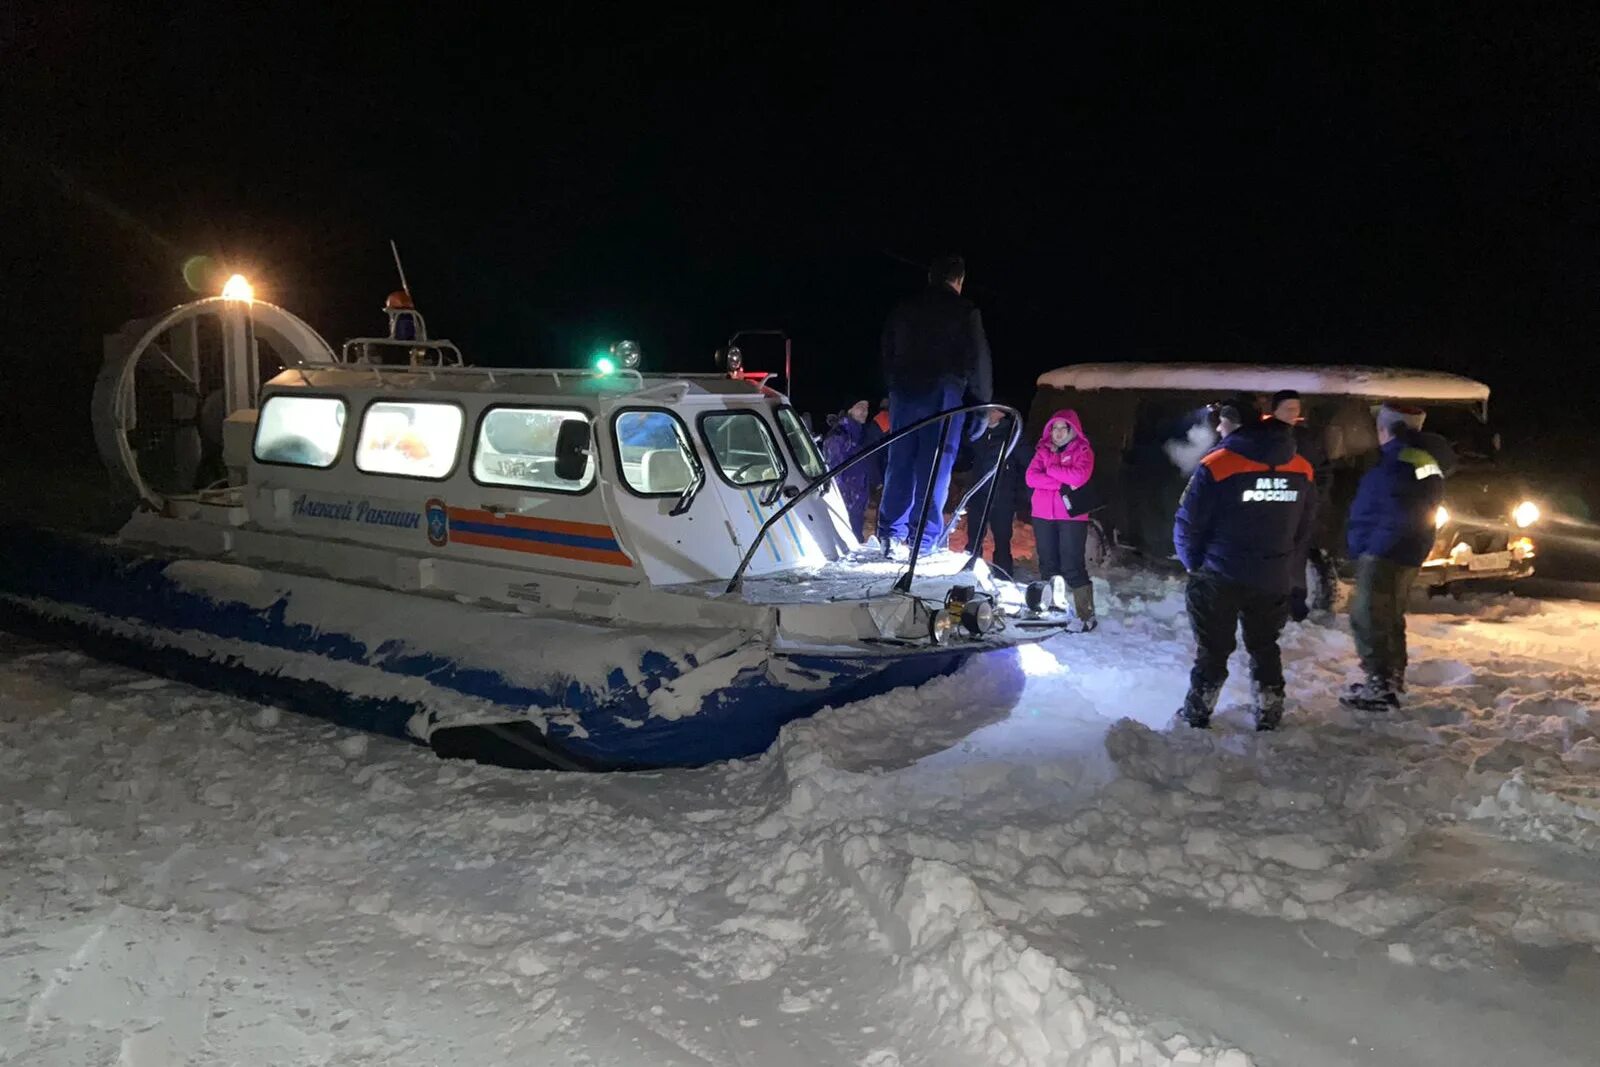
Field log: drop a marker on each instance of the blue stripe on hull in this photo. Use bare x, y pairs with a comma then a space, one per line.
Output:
523, 533
738, 720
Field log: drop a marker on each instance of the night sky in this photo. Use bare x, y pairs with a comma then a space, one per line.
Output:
1384, 187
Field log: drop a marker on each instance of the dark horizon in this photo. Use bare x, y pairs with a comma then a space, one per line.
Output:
1323, 187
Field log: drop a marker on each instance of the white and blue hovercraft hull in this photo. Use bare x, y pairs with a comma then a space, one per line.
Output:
482, 682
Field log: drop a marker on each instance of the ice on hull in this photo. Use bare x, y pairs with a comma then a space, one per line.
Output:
496, 685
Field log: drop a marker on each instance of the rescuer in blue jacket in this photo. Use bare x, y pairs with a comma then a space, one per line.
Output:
1390, 532
1240, 532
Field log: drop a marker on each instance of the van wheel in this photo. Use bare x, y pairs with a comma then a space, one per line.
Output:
1096, 548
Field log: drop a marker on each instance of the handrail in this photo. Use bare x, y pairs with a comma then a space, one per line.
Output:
943, 419
442, 345
633, 379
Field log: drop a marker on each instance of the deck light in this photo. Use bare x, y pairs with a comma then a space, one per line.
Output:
626, 354
238, 288
978, 616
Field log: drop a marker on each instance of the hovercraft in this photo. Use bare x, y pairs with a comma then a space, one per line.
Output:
579, 569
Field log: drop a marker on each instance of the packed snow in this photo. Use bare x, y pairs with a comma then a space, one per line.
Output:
1019, 864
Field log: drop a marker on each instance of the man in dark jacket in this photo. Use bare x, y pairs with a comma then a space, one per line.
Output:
1003, 490
1390, 532
1240, 530
1308, 442
935, 355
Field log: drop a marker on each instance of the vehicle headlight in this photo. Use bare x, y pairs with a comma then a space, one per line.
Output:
1441, 515
978, 617
942, 626
1522, 547
1525, 514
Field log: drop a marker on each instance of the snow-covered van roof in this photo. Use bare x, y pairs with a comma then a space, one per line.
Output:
1375, 382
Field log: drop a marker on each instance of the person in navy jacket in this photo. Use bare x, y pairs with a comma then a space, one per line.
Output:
1390, 532
1240, 532
935, 356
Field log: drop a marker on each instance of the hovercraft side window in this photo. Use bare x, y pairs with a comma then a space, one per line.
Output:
517, 448
300, 431
742, 447
413, 439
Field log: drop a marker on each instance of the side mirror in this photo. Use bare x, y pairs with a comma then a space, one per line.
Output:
573, 440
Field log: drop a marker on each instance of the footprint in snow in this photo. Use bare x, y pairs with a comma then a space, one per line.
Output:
1441, 672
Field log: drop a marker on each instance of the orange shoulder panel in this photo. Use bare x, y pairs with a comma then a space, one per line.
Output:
1299, 465
1224, 464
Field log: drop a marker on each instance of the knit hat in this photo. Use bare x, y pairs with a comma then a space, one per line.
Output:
1281, 395
1401, 414
1232, 410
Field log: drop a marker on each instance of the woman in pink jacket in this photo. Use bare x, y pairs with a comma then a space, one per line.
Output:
1063, 459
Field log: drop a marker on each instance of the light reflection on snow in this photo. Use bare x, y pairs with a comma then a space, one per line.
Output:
1037, 661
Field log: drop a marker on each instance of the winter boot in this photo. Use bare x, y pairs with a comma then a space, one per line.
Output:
1374, 694
1299, 610
1198, 706
1268, 707
1083, 608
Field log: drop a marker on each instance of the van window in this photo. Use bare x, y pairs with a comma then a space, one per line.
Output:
801, 444
300, 431
742, 446
415, 439
517, 447
654, 453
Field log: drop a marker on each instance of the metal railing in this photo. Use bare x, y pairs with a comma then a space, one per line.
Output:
627, 379
943, 419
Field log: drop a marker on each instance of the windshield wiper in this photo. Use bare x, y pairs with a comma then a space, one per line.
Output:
690, 491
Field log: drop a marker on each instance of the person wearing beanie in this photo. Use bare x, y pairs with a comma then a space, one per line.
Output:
1287, 408
1229, 416
1000, 495
1390, 532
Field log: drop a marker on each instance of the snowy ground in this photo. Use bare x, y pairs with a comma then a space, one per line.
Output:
1015, 865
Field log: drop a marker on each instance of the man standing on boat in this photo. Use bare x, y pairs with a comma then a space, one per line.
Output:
935, 357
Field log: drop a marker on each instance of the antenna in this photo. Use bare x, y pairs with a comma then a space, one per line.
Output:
396, 250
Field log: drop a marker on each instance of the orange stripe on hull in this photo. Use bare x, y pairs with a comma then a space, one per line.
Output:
540, 548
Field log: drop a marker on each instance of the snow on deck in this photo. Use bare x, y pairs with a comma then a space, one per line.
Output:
864, 575
1379, 383
1017, 864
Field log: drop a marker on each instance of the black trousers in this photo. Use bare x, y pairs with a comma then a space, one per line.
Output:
999, 525
1217, 608
1061, 543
